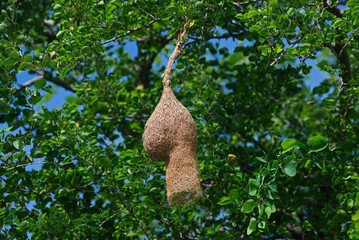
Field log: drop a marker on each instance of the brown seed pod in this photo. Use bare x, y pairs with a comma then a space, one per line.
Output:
52, 54
232, 158
170, 135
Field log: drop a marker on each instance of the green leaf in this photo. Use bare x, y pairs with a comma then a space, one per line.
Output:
27, 92
57, 15
61, 34
288, 144
38, 153
36, 99
354, 10
318, 143
72, 108
252, 13
18, 144
8, 129
338, 22
307, 225
260, 159
355, 217
255, 28
57, 7
248, 206
171, 9
268, 211
199, 4
307, 163
101, 4
302, 146
290, 170
86, 50
234, 193
225, 201
14, 55
40, 83
27, 58
271, 205
10, 61
351, 2
262, 224
252, 226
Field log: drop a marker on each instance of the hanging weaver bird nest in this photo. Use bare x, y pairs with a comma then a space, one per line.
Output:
170, 135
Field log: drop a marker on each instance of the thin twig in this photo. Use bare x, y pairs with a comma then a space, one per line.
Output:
27, 164
151, 16
55, 80
276, 60
84, 186
131, 31
107, 219
333, 10
120, 117
224, 36
29, 83
244, 3
346, 44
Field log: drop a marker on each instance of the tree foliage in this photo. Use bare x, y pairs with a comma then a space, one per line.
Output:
296, 172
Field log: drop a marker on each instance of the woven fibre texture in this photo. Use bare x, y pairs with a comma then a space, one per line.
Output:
170, 135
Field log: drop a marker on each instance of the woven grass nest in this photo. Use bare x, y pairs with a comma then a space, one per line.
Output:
170, 135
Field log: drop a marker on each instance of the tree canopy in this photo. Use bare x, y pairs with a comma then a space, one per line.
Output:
277, 159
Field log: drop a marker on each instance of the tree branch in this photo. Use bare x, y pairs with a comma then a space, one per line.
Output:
61, 83
29, 83
133, 30
228, 35
84, 186
150, 15
339, 50
55, 80
296, 231
224, 36
276, 60
107, 219
244, 3
121, 117
27, 164
347, 42
333, 10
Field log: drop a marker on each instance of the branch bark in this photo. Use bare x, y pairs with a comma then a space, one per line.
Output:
244, 3
133, 30
333, 10
224, 36
296, 231
29, 83
276, 60
339, 50
49, 78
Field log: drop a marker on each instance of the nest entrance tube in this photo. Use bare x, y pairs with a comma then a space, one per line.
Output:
170, 135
